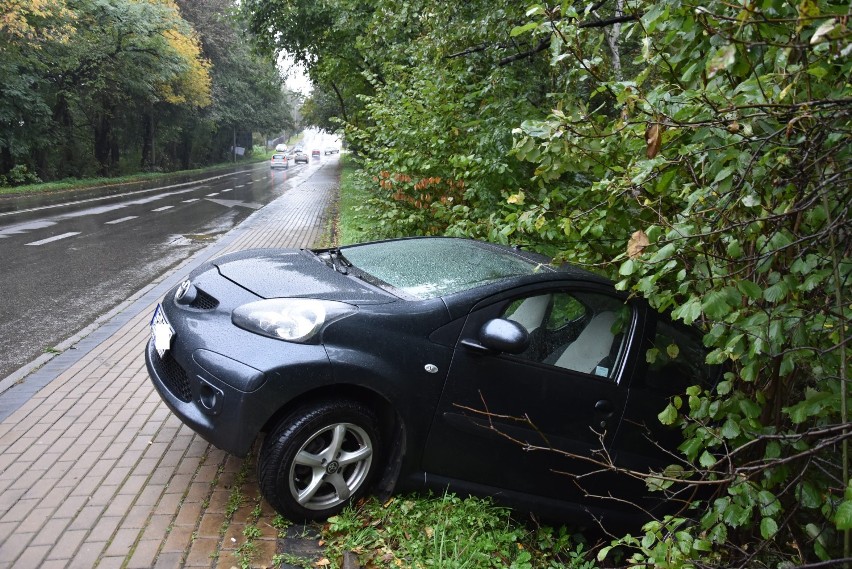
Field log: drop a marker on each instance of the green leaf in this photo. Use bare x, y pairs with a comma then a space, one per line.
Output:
776, 292
668, 415
664, 253
749, 408
735, 250
813, 405
768, 528
706, 460
730, 429
651, 355
715, 305
810, 496
518, 30
691, 447
672, 350
749, 289
702, 545
769, 504
723, 59
723, 174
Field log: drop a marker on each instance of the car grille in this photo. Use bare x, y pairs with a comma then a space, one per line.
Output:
203, 301
173, 375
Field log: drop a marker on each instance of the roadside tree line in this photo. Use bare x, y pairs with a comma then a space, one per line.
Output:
107, 87
698, 153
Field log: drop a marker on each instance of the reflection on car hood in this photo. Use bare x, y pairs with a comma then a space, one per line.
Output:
280, 273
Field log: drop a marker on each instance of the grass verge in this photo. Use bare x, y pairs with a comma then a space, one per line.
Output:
354, 222
88, 183
448, 531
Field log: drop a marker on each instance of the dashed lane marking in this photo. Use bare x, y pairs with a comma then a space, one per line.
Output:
121, 219
190, 201
55, 238
164, 208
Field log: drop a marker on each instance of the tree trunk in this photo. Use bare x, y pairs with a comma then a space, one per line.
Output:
612, 35
186, 149
66, 165
147, 162
6, 161
103, 140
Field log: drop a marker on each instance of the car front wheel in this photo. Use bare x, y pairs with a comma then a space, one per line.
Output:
319, 458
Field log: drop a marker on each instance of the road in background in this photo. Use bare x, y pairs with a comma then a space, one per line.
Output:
64, 265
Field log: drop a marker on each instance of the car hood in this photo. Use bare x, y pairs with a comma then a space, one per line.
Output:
288, 273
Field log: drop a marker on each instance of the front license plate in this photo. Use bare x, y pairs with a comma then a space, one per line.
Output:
161, 331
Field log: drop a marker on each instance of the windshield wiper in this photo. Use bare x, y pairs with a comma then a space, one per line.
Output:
340, 263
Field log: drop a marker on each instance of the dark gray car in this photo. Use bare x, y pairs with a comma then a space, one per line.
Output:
425, 362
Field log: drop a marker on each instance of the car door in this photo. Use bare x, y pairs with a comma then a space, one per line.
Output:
499, 413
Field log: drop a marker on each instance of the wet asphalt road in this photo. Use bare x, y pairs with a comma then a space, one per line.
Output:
64, 264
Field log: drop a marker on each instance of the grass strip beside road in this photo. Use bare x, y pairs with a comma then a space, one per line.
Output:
354, 222
108, 182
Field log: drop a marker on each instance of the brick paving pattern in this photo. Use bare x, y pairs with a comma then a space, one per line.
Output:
95, 471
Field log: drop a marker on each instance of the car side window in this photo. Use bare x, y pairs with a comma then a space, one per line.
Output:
676, 359
578, 331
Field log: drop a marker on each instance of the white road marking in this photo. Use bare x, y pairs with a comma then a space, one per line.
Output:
122, 219
56, 238
233, 203
190, 201
25, 227
213, 194
164, 208
227, 190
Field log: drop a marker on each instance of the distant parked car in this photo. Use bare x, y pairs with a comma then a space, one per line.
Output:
279, 160
300, 156
425, 362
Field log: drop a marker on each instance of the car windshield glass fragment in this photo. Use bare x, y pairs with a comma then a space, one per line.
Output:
428, 268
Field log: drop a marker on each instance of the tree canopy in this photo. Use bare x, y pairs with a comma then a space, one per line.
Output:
696, 153
113, 86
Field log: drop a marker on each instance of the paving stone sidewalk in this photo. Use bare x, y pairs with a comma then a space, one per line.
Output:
95, 471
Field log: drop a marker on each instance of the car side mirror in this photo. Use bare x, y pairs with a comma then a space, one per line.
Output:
503, 335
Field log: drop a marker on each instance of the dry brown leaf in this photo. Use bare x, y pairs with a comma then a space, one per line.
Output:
653, 139
637, 243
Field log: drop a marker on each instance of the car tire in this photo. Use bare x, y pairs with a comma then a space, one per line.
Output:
319, 459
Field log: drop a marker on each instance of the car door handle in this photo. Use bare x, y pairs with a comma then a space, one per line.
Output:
604, 406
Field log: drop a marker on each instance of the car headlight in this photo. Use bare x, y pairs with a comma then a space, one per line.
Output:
290, 319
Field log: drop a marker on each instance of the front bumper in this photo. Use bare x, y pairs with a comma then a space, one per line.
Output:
223, 382
207, 405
